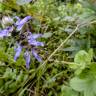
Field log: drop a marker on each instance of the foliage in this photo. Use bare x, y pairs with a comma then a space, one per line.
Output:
85, 73
71, 71
11, 80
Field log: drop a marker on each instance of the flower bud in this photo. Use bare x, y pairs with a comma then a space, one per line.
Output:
6, 21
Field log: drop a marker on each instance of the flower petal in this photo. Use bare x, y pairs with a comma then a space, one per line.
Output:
35, 43
20, 23
36, 55
6, 31
31, 39
18, 51
33, 36
27, 59
19, 27
23, 21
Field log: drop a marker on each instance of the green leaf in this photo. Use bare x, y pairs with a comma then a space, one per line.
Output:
88, 93
82, 57
78, 84
0, 7
1, 82
91, 4
90, 52
22, 92
67, 91
87, 85
93, 69
3, 56
79, 70
47, 35
74, 65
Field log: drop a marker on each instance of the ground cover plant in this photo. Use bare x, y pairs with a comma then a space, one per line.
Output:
47, 48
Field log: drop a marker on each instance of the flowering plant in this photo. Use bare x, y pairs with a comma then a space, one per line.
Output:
20, 30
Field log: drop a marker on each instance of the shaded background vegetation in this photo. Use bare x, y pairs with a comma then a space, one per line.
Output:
71, 71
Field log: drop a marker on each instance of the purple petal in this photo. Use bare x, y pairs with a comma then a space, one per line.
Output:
36, 55
35, 43
27, 59
20, 23
23, 21
19, 27
31, 39
6, 31
3, 33
10, 29
33, 36
18, 51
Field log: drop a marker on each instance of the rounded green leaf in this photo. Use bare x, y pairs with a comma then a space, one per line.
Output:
78, 84
82, 57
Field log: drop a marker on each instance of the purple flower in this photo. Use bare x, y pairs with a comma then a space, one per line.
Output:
25, 40
36, 55
31, 39
27, 59
20, 23
18, 51
6, 31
